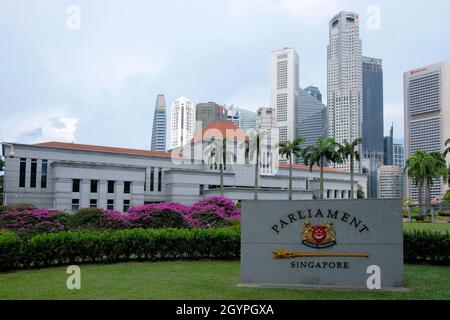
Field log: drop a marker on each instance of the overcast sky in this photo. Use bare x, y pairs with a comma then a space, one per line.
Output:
98, 84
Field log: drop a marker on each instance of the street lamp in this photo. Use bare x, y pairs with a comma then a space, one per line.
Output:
10, 155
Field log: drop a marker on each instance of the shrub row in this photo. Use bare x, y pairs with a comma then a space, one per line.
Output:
426, 247
164, 244
64, 248
211, 212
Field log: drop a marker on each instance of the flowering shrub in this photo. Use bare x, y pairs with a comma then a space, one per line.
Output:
228, 207
97, 219
26, 221
213, 212
160, 215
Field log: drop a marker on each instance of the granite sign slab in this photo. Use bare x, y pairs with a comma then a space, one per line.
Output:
321, 242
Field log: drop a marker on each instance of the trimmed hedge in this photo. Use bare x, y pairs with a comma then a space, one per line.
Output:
118, 246
112, 246
426, 247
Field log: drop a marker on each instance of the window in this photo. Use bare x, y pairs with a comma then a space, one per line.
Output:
202, 189
75, 204
110, 204
343, 194
44, 174
33, 173
94, 186
127, 187
328, 194
23, 169
152, 179
93, 203
336, 194
349, 194
111, 186
76, 185
159, 179
126, 205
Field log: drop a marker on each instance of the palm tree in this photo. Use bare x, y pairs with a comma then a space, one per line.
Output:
323, 151
415, 169
289, 149
217, 153
350, 150
253, 152
447, 150
423, 169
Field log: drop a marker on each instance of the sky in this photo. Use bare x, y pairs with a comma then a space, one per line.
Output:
92, 76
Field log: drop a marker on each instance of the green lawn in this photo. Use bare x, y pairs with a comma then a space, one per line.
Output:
439, 227
194, 280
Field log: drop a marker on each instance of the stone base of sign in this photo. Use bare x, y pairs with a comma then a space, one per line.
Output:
314, 287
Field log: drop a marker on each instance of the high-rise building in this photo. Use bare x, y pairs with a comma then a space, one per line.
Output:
370, 167
311, 118
284, 84
427, 116
390, 182
373, 123
233, 114
266, 122
247, 120
389, 148
345, 83
206, 113
398, 156
182, 118
159, 125
315, 92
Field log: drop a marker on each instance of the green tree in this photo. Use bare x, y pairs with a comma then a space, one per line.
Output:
2, 165
325, 150
217, 154
350, 150
423, 169
447, 196
360, 193
289, 149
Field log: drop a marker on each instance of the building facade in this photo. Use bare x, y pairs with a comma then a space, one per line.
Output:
284, 84
315, 92
311, 118
182, 120
427, 116
390, 182
389, 148
207, 113
69, 176
398, 156
373, 121
159, 125
345, 81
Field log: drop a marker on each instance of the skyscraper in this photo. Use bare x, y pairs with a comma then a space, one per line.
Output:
159, 125
390, 182
398, 156
206, 113
284, 84
315, 92
266, 122
345, 91
389, 148
373, 123
427, 116
311, 118
182, 118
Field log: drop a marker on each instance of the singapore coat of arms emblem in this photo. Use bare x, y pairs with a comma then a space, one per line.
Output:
319, 237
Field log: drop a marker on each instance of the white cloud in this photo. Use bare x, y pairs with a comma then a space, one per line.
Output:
306, 11
53, 124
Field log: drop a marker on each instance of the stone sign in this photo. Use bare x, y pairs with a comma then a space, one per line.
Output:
327, 243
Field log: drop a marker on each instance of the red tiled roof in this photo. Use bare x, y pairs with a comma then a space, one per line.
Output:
86, 147
303, 167
221, 128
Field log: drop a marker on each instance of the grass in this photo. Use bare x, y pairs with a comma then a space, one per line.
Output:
438, 227
194, 280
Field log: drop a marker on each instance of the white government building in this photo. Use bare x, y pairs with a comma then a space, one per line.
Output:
69, 176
